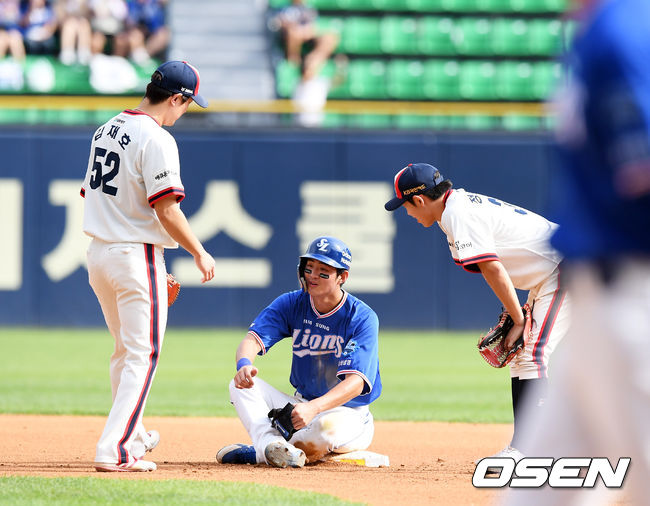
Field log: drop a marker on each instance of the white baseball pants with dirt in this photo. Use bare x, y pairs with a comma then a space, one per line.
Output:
338, 430
551, 315
129, 280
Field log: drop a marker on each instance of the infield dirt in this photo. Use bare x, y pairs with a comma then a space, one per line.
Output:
430, 463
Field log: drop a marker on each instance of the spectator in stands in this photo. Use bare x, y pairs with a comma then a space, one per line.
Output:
147, 36
11, 39
39, 26
75, 31
107, 21
297, 24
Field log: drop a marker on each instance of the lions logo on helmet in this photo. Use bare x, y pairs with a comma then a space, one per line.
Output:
323, 244
326, 249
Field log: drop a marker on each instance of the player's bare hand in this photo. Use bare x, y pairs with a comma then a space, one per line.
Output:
244, 377
515, 333
205, 263
303, 413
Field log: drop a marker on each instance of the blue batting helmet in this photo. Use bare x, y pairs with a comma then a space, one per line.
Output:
326, 249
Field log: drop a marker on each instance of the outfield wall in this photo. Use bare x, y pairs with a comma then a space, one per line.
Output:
256, 199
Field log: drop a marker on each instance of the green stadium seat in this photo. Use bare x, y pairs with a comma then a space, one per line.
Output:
340, 83
370, 121
367, 79
412, 121
493, 6
423, 5
360, 36
356, 5
519, 122
278, 4
287, 76
441, 80
480, 122
545, 37
72, 117
510, 37
398, 35
404, 79
459, 6
334, 120
547, 76
473, 36
435, 36
478, 80
323, 4
539, 6
390, 5
330, 24
515, 81
11, 116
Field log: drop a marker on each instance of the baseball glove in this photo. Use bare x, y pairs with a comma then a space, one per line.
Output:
491, 346
173, 288
281, 420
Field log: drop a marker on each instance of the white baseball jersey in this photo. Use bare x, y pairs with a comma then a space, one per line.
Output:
481, 228
133, 163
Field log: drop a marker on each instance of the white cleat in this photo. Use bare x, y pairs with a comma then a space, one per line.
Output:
137, 466
282, 454
507, 452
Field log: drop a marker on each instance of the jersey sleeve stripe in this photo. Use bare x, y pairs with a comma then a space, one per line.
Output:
469, 264
259, 341
82, 192
478, 258
368, 385
179, 192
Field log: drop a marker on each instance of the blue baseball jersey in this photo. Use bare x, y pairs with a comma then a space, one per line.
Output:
326, 347
603, 202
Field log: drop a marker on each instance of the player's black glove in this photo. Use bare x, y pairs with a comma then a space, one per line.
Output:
281, 420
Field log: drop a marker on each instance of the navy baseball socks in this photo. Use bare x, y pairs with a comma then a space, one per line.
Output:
237, 454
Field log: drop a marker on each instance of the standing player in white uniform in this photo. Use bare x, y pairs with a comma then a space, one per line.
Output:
510, 247
132, 191
334, 369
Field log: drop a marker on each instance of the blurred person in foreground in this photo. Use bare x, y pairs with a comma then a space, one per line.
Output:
599, 403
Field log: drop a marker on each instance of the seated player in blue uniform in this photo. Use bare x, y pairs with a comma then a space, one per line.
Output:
334, 369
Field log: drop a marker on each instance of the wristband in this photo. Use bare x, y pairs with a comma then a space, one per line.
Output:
242, 362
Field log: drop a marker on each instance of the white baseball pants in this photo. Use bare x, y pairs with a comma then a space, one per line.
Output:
551, 315
129, 280
338, 430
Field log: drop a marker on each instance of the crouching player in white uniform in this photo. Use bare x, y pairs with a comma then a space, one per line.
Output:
510, 247
335, 367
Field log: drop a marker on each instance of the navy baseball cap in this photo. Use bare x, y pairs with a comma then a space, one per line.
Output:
413, 179
179, 77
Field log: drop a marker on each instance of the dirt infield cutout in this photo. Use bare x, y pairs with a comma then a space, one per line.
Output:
430, 463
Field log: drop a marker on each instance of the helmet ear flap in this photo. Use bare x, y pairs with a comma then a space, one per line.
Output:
301, 273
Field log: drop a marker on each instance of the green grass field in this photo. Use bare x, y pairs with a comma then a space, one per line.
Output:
425, 376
